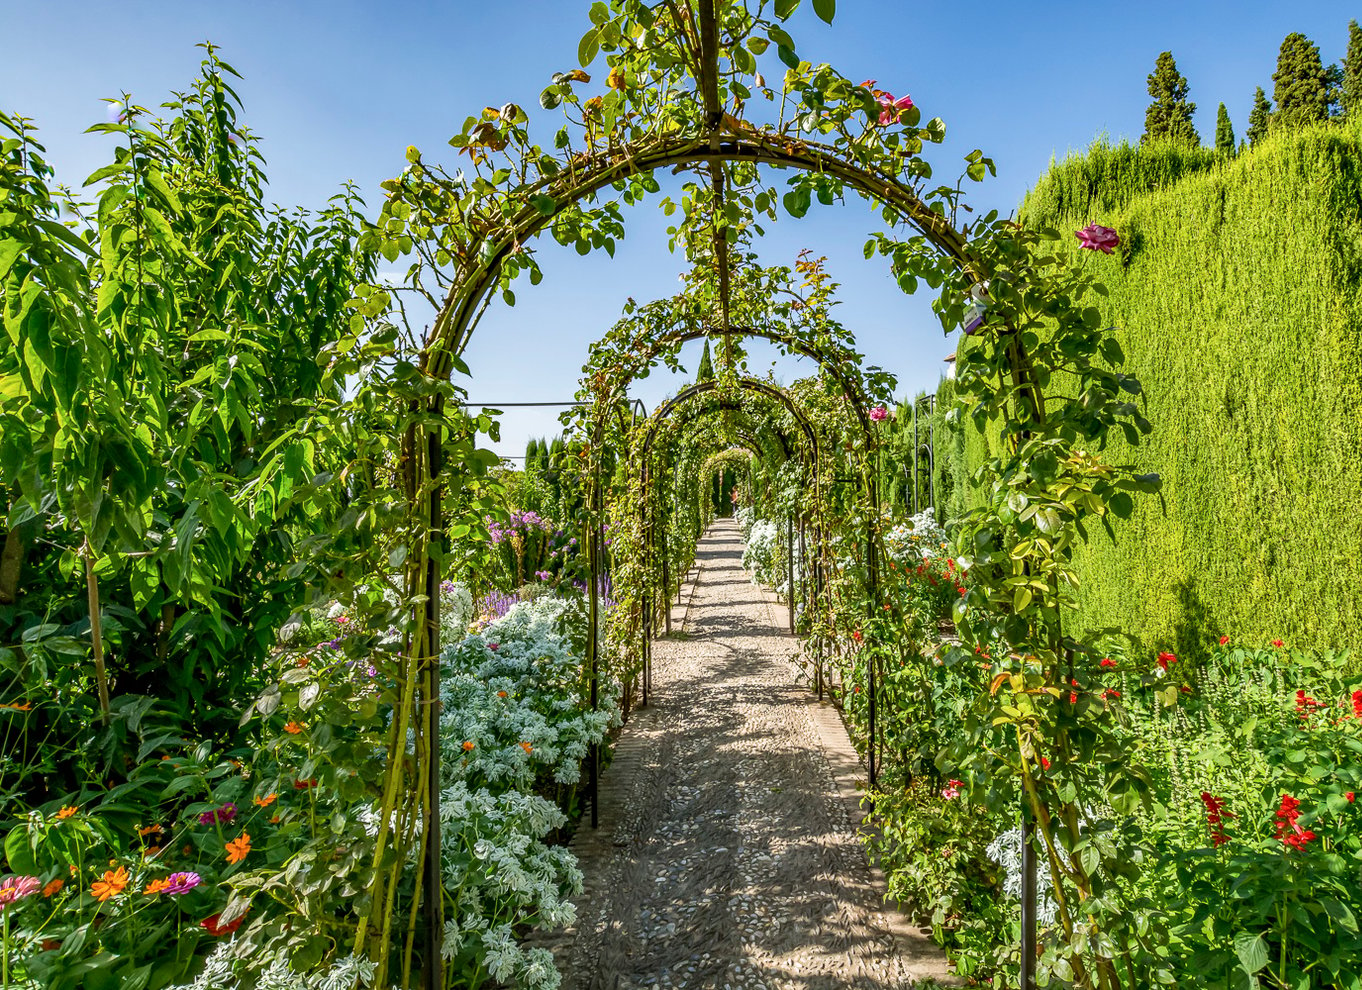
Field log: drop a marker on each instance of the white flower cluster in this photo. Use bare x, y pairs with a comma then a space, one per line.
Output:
918, 539
500, 875
1005, 850
456, 612
221, 970
515, 691
761, 553
514, 714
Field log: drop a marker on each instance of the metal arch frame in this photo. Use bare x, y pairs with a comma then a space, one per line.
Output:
465, 300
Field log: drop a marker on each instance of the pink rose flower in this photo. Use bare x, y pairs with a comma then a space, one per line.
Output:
1095, 237
879, 414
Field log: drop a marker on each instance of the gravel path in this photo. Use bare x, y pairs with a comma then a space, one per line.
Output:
727, 854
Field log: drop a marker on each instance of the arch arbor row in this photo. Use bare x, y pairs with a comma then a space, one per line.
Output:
677, 99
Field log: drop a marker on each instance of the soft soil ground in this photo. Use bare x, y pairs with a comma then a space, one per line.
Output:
726, 855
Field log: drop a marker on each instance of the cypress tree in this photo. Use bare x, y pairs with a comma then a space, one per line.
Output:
1352, 74
531, 456
1224, 132
1169, 117
1306, 92
1259, 118
706, 372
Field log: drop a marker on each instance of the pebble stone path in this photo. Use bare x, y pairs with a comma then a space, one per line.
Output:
726, 855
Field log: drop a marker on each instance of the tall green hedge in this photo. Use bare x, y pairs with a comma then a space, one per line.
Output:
1238, 294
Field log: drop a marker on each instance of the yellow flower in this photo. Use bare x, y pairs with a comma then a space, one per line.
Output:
238, 848
113, 883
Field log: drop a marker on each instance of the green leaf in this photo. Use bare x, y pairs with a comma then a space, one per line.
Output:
589, 48
784, 8
797, 201
826, 9
19, 852
1251, 950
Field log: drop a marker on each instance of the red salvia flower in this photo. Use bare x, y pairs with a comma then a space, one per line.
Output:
1164, 659
1291, 834
1216, 814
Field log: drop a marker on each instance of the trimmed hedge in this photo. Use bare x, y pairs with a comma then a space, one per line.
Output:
1239, 297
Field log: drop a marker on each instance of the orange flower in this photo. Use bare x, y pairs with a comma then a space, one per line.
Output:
144, 832
113, 883
501, 694
293, 728
266, 801
468, 745
156, 886
238, 848
274, 819
527, 747
18, 706
67, 811
53, 886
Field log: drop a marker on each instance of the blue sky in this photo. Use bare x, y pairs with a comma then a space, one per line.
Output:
339, 89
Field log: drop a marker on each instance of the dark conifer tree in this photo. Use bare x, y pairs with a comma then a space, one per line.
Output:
1169, 117
706, 372
1352, 74
1306, 92
1224, 132
1259, 118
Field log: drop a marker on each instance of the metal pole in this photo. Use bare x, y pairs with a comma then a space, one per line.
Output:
915, 446
432, 883
593, 617
1028, 901
789, 568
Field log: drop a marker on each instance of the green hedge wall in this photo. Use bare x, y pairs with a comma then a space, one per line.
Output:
1239, 301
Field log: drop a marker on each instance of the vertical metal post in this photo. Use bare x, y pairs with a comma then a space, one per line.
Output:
593, 619
433, 887
915, 447
789, 568
1028, 900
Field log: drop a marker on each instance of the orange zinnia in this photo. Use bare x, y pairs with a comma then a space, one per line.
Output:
527, 747
156, 886
293, 728
113, 883
266, 801
468, 745
238, 848
53, 886
67, 811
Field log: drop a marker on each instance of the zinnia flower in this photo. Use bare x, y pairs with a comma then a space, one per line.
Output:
13, 889
183, 883
527, 747
53, 886
1095, 237
217, 816
112, 884
238, 848
468, 745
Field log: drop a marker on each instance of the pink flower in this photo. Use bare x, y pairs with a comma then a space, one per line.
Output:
879, 414
952, 790
494, 646
181, 883
14, 889
891, 107
1095, 237
219, 815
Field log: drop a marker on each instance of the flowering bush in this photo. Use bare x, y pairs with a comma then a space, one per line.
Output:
761, 553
